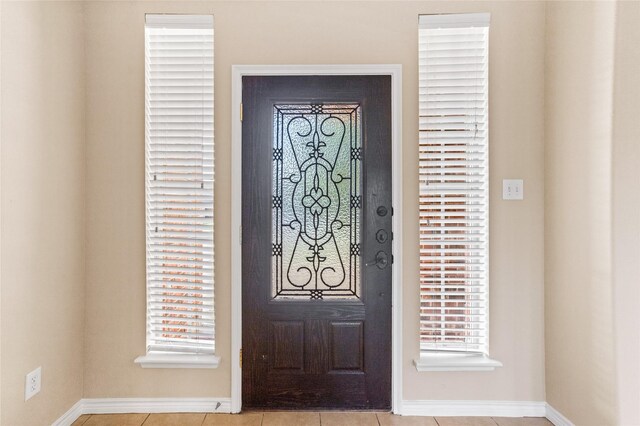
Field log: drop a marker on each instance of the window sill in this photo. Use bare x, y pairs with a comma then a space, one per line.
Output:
448, 361
177, 361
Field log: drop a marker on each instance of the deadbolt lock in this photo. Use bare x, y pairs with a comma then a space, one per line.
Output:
382, 236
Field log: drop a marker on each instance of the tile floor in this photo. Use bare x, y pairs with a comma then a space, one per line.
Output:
298, 419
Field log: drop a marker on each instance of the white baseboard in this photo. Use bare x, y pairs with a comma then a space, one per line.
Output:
144, 405
155, 405
473, 408
70, 416
223, 405
555, 417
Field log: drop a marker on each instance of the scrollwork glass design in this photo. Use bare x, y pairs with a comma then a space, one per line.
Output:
316, 201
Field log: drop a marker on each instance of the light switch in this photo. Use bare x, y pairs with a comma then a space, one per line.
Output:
512, 189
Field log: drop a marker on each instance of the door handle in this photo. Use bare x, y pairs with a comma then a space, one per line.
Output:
381, 260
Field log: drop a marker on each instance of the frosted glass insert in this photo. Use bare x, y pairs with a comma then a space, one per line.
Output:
317, 158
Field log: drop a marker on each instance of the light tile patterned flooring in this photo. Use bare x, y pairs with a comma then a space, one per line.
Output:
298, 418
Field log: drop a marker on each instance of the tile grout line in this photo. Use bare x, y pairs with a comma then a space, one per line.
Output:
145, 419
436, 420
495, 421
378, 419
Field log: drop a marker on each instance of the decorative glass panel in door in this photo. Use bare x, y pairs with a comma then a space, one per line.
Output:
316, 186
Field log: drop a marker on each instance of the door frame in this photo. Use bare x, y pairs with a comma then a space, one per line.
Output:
239, 71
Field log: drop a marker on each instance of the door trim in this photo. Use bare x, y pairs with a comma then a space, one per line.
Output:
237, 72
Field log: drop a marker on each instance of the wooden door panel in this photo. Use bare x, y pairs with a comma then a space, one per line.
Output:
347, 347
287, 346
316, 307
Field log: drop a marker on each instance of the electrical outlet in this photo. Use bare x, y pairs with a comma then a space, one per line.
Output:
33, 383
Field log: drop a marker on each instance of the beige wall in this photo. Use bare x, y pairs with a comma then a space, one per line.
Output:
0, 210
42, 193
580, 359
626, 210
308, 33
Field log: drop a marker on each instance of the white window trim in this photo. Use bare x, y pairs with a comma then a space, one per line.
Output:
156, 359
434, 360
454, 20
178, 21
449, 361
160, 360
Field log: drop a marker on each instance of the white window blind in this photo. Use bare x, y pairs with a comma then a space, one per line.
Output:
454, 178
179, 183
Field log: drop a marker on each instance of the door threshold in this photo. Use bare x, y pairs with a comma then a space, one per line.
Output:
315, 410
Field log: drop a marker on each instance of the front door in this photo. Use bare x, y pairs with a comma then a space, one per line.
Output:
316, 242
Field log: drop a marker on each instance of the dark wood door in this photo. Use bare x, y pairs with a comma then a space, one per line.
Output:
316, 242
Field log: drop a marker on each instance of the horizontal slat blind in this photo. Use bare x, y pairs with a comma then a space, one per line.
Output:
179, 183
454, 178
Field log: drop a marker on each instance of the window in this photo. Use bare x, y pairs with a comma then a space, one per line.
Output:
179, 191
454, 192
